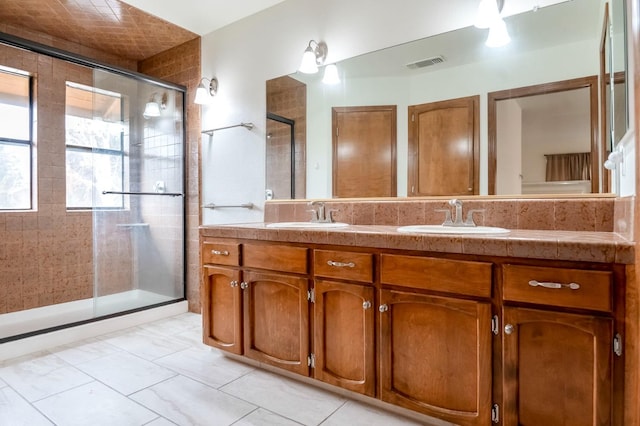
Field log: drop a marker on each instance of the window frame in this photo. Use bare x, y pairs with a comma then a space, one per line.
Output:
95, 150
23, 142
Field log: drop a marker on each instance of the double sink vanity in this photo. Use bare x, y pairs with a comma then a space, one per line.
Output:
520, 323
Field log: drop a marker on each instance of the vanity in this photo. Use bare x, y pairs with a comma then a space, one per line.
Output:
524, 327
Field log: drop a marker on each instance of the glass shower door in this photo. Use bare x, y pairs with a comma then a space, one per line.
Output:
138, 197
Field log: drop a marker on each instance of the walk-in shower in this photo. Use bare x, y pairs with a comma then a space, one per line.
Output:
106, 233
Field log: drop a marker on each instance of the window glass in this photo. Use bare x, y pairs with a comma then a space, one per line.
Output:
95, 156
15, 140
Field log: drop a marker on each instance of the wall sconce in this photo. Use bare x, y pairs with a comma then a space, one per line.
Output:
313, 57
488, 16
331, 75
152, 108
204, 93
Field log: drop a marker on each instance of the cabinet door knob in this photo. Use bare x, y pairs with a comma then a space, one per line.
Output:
366, 304
234, 283
383, 308
244, 285
509, 328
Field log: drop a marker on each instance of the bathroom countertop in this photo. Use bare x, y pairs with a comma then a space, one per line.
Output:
604, 247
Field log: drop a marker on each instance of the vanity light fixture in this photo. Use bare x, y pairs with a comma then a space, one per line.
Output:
153, 107
313, 57
488, 12
331, 75
498, 34
204, 93
488, 16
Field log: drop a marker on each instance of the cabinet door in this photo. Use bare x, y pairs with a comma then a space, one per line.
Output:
344, 336
222, 308
435, 356
557, 368
276, 320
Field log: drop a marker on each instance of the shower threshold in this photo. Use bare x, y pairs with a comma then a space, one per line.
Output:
33, 320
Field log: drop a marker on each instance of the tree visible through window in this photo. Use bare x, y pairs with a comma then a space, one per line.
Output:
95, 154
15, 140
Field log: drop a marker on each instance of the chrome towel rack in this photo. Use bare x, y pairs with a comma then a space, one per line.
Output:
248, 126
213, 206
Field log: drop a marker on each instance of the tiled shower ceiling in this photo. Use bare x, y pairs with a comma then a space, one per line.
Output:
108, 25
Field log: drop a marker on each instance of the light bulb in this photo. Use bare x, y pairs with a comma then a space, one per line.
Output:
308, 64
331, 74
498, 34
487, 14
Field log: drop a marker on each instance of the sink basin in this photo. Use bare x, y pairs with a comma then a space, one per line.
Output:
307, 225
441, 229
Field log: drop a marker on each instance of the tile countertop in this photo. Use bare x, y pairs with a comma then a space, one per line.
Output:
602, 247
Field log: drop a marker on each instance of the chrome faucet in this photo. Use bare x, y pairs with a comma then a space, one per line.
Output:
319, 212
457, 215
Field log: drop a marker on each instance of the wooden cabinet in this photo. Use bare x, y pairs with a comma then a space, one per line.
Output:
557, 365
344, 315
435, 351
469, 340
556, 368
276, 320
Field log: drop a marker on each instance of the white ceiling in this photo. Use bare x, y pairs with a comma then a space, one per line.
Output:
202, 16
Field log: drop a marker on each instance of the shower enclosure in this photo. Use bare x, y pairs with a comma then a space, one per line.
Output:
138, 198
111, 240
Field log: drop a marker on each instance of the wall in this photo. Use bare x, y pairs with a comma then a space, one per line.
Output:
509, 145
46, 255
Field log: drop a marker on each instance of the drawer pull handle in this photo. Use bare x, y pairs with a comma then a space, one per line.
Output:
220, 253
572, 286
341, 264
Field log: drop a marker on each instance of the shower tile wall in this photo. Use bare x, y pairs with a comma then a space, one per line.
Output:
286, 97
46, 254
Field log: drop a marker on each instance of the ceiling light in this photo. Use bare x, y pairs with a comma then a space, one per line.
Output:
331, 75
204, 93
314, 56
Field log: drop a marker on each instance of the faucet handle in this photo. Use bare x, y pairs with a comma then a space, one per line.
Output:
314, 215
329, 214
447, 217
469, 221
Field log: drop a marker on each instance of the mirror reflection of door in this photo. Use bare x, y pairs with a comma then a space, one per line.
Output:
286, 143
444, 147
543, 139
364, 151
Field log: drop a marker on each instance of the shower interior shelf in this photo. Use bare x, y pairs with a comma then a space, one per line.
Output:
248, 126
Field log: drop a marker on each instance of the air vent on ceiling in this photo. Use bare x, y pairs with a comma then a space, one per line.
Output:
426, 62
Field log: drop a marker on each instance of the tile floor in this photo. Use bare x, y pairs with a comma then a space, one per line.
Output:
161, 374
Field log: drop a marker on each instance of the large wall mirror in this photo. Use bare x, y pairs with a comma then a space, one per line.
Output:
553, 58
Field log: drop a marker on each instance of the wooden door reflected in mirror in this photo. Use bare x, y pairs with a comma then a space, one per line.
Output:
364, 151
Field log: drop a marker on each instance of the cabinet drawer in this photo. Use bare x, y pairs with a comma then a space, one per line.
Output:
276, 257
447, 275
573, 288
221, 253
344, 265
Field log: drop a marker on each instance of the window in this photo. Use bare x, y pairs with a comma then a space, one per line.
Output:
15, 140
95, 156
